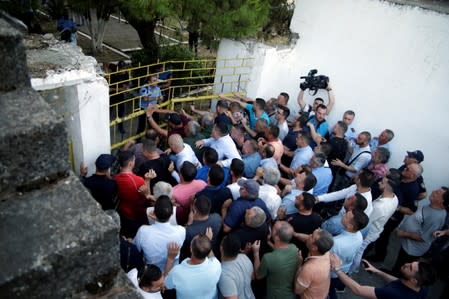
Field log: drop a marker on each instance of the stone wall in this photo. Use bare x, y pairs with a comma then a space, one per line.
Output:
56, 242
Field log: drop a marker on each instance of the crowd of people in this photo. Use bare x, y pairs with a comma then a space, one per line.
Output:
252, 201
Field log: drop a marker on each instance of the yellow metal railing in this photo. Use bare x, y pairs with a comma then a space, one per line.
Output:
194, 81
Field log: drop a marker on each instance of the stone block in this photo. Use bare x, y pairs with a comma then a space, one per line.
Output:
122, 289
13, 70
56, 242
33, 138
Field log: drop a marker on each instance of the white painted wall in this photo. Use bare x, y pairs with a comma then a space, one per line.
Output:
389, 63
82, 97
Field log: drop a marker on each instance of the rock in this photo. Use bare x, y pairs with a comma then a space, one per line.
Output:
56, 242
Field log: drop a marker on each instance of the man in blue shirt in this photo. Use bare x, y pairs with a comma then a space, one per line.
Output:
318, 125
346, 245
256, 110
150, 94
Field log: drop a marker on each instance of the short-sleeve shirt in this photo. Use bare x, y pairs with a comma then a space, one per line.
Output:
302, 156
279, 267
321, 128
152, 92
132, 204
103, 189
253, 118
195, 281
183, 194
235, 279
236, 212
314, 277
304, 224
360, 159
396, 289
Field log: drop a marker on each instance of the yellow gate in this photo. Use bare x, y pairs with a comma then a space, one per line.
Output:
181, 83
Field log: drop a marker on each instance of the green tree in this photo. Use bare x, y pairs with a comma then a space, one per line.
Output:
214, 19
96, 13
143, 15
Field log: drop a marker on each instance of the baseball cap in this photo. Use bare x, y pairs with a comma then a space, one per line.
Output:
417, 155
104, 161
175, 119
251, 186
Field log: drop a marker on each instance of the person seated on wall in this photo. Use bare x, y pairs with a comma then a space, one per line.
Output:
67, 27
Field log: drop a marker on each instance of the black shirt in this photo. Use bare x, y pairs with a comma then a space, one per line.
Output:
217, 196
103, 189
160, 166
396, 289
304, 224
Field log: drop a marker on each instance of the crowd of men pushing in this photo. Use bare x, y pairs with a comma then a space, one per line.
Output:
288, 204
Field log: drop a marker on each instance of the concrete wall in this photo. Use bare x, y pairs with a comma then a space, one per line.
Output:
80, 95
389, 63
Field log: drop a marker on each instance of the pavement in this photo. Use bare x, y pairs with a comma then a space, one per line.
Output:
118, 34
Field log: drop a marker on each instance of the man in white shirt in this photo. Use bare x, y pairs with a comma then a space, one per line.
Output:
269, 176
183, 152
153, 239
222, 143
383, 209
282, 113
362, 185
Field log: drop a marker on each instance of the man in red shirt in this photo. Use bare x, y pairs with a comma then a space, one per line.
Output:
133, 193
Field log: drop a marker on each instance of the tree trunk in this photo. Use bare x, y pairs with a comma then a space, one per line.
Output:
96, 27
145, 30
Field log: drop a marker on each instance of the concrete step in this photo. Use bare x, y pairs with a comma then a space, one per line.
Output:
33, 138
56, 242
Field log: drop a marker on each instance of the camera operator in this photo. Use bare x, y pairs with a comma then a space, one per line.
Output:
317, 101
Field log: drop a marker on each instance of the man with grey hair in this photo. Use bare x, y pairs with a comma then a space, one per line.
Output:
193, 134
233, 212
279, 266
268, 178
182, 152
383, 140
322, 174
255, 227
312, 276
251, 157
162, 188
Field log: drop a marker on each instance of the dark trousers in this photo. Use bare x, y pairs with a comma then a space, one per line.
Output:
335, 284
403, 258
381, 244
141, 123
